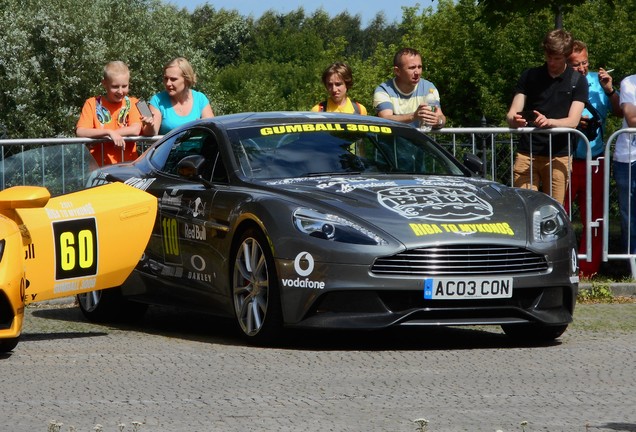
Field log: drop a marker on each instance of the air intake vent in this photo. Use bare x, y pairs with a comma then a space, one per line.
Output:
457, 260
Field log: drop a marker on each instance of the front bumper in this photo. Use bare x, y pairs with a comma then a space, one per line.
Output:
350, 297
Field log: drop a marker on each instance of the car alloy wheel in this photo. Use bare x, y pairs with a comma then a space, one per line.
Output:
255, 288
89, 301
110, 305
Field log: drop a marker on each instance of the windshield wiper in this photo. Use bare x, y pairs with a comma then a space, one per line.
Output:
331, 173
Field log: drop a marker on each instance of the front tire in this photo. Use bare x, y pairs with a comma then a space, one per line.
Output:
255, 292
9, 344
109, 305
534, 332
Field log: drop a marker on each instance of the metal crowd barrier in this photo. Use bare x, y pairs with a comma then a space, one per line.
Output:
60, 164
606, 203
489, 140
495, 146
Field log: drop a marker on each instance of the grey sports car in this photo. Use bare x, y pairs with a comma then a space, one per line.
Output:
321, 220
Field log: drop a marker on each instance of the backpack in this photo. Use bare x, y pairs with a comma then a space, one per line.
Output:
594, 125
356, 106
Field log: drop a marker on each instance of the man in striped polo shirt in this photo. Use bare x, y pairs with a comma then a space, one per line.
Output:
402, 98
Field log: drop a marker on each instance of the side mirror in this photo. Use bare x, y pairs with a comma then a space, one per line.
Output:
474, 164
190, 166
24, 197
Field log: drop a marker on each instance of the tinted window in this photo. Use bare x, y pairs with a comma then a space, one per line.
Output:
166, 156
297, 151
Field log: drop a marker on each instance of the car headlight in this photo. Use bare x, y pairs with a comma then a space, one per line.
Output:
334, 228
548, 224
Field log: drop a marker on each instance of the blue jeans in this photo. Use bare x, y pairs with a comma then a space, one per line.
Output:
625, 176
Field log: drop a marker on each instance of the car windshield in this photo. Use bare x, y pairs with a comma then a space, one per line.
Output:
302, 150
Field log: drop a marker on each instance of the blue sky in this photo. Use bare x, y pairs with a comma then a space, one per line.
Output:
367, 9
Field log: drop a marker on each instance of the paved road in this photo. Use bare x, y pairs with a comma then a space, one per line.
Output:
187, 372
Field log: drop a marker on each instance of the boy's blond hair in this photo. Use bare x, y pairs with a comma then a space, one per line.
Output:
115, 68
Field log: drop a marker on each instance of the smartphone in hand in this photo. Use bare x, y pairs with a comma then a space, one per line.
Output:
528, 115
143, 108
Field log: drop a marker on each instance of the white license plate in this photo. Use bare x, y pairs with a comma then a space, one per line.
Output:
474, 288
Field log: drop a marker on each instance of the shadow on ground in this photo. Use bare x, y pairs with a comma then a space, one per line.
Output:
173, 322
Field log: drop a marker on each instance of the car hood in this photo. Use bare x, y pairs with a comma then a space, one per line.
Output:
420, 209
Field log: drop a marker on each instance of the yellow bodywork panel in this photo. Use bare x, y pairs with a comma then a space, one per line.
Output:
83, 241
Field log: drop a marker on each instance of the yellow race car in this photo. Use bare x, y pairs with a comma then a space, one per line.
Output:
66, 245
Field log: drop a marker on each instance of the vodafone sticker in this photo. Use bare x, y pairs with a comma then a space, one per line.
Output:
304, 264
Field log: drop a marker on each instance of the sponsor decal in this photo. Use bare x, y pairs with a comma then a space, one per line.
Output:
197, 208
197, 262
29, 251
74, 285
75, 248
304, 266
349, 184
201, 277
291, 181
99, 179
194, 232
444, 203
422, 229
140, 183
68, 210
171, 201
343, 184
320, 127
346, 185
303, 283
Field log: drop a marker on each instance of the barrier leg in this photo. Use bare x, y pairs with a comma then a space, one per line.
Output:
632, 265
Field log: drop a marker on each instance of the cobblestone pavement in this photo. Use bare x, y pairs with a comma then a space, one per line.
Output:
188, 372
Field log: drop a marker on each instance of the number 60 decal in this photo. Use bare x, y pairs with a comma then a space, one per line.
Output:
75, 248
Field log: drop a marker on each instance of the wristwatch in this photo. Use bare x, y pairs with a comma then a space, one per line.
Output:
441, 122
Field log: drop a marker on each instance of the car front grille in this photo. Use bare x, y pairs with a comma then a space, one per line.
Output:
460, 260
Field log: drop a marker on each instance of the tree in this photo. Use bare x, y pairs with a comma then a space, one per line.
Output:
54, 52
220, 35
496, 10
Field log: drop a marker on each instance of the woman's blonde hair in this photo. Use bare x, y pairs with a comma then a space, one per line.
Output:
186, 68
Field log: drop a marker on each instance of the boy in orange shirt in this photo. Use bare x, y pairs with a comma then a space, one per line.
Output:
113, 115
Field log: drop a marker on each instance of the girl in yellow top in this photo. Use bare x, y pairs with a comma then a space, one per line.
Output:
338, 79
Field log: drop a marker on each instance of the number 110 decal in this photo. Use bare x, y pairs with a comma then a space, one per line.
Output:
75, 248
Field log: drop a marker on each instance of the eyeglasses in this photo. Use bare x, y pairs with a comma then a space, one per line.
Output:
583, 63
